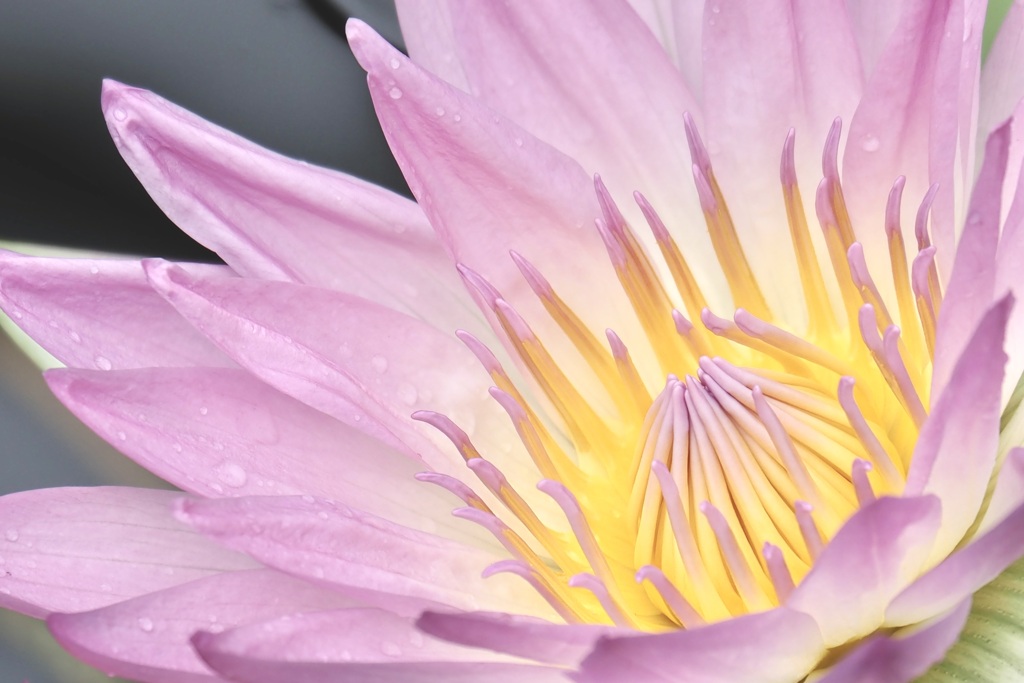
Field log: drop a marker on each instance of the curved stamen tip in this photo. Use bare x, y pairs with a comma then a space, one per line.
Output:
830, 154
892, 206
823, 206
923, 212
443, 424
478, 283
540, 286
858, 264
657, 225
708, 203
698, 152
714, 323
683, 326
787, 168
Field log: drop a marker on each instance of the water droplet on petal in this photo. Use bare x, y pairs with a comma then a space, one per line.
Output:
177, 448
390, 649
396, 93
75, 337
11, 535
870, 143
94, 270
106, 587
146, 624
395, 63
18, 315
120, 114
204, 410
457, 118
122, 436
439, 111
379, 363
103, 363
232, 474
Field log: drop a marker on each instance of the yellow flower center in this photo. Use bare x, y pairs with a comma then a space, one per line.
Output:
712, 498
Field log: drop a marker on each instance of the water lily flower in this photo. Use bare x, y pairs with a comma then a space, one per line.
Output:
665, 377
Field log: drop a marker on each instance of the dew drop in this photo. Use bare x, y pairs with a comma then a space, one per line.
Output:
75, 337
204, 410
120, 114
870, 143
323, 515
416, 638
18, 315
232, 474
390, 649
457, 118
519, 142
395, 63
11, 535
379, 363
439, 111
122, 436
396, 93
308, 498
106, 587
177, 448
146, 624
103, 363
94, 270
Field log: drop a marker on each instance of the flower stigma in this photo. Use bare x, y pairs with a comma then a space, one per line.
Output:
712, 497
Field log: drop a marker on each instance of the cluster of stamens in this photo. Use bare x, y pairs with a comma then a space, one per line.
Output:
714, 497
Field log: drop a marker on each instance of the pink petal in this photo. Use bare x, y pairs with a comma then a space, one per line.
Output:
244, 669
956, 450
1009, 490
971, 289
222, 432
879, 550
907, 122
100, 313
272, 217
961, 574
149, 637
1010, 252
779, 646
1002, 79
362, 635
770, 66
903, 657
475, 173
528, 637
348, 357
564, 54
430, 38
76, 549
360, 553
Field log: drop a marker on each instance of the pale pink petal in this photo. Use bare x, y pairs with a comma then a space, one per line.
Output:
563, 55
873, 22
956, 450
148, 638
430, 38
74, 549
364, 364
1009, 490
222, 432
971, 289
475, 174
659, 17
779, 646
360, 553
243, 669
961, 574
907, 123
361, 635
528, 637
1002, 79
878, 552
1010, 253
769, 67
903, 657
272, 217
95, 313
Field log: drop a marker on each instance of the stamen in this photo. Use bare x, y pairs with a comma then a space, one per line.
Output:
743, 285
782, 580
887, 358
628, 372
861, 484
837, 247
788, 343
451, 430
785, 448
739, 568
681, 609
532, 576
821, 318
862, 279
600, 591
830, 169
928, 298
879, 455
924, 239
453, 485
532, 440
812, 537
900, 272
686, 283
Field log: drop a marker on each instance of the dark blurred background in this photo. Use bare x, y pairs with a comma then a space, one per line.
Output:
276, 71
